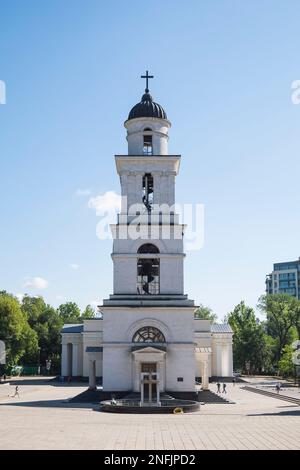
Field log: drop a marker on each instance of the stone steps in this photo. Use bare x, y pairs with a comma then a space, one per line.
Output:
272, 394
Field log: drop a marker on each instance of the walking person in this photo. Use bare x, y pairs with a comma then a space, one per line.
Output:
233, 381
16, 392
224, 388
218, 387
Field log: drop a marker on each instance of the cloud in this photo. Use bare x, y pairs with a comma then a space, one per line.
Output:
74, 266
37, 283
83, 192
107, 202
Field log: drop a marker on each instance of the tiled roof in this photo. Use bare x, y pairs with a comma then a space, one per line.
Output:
221, 328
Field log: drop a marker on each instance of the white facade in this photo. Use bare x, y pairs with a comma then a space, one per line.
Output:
148, 322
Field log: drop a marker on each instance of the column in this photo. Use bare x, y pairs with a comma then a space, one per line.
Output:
219, 359
64, 360
230, 359
142, 390
227, 360
204, 377
75, 361
92, 375
158, 389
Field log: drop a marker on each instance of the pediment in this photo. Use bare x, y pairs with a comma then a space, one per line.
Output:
148, 349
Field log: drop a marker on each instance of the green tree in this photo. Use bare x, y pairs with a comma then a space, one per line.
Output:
285, 365
282, 312
33, 307
205, 313
249, 341
20, 340
88, 312
69, 312
47, 323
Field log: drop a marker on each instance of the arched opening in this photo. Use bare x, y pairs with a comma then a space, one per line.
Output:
147, 191
148, 271
148, 248
147, 142
148, 334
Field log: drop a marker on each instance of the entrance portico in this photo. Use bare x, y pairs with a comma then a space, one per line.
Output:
155, 356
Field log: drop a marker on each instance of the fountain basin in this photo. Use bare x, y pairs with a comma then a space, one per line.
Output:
133, 406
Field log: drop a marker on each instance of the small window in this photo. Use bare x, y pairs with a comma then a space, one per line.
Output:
147, 147
179, 379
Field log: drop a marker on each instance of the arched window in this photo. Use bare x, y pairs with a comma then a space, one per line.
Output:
148, 248
148, 271
147, 145
148, 334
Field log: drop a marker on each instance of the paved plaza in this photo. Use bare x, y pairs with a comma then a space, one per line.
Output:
42, 418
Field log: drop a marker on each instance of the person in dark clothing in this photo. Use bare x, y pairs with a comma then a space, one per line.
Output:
218, 387
224, 388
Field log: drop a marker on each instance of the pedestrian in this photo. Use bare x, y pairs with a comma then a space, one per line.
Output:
16, 392
278, 387
224, 388
218, 387
233, 381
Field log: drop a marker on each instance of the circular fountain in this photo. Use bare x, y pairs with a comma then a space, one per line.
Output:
166, 405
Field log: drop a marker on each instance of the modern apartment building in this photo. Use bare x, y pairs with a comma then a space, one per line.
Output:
284, 279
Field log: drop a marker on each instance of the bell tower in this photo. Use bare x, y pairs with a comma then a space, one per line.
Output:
148, 288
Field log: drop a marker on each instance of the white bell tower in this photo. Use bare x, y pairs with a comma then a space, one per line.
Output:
148, 260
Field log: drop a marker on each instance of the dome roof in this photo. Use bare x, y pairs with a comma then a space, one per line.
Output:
147, 108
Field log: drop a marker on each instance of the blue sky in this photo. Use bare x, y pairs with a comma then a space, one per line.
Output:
223, 72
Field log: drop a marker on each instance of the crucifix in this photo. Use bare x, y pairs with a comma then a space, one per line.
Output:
147, 76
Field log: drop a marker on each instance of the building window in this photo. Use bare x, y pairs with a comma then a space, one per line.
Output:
148, 271
147, 191
148, 334
147, 146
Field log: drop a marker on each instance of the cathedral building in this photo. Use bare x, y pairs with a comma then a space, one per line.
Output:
147, 324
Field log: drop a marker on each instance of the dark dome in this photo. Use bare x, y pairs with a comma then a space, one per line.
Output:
147, 108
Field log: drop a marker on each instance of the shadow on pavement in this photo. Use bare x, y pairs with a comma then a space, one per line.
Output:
50, 404
44, 381
279, 413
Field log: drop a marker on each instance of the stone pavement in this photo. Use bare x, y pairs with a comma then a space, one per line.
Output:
43, 419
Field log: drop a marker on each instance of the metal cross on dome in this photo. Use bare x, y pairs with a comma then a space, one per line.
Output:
147, 76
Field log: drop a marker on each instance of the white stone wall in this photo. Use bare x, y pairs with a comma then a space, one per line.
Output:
117, 368
180, 363
135, 132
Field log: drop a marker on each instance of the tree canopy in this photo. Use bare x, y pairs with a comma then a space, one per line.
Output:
205, 313
31, 329
250, 349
